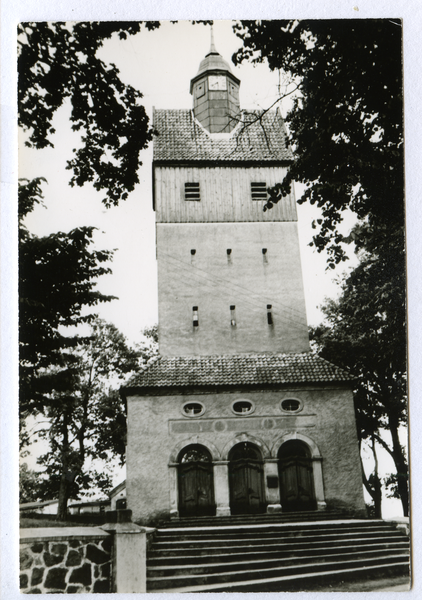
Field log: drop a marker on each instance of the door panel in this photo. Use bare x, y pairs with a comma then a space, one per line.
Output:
296, 478
196, 484
246, 481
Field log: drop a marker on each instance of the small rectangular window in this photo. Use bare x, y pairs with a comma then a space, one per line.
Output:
192, 191
259, 190
233, 315
269, 314
195, 318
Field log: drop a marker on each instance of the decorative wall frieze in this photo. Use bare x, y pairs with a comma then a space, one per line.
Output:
263, 423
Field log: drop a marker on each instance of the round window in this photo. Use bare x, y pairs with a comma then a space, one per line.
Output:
242, 407
193, 409
291, 405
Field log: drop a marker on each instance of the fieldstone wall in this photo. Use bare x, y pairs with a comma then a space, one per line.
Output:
65, 560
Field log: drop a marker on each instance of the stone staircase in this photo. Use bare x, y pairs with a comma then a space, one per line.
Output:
262, 554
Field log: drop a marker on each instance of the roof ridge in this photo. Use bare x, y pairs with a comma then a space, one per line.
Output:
241, 354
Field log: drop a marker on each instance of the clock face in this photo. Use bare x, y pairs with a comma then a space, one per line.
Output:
217, 82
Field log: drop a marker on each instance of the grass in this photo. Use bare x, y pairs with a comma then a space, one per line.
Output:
50, 521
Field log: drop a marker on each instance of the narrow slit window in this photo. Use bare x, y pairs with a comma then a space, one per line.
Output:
269, 314
264, 255
233, 315
229, 255
259, 190
195, 318
192, 191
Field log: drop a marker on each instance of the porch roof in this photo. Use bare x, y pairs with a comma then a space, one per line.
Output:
235, 370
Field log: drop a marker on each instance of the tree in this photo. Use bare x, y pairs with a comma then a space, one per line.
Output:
346, 129
58, 62
87, 420
346, 122
30, 483
364, 331
57, 283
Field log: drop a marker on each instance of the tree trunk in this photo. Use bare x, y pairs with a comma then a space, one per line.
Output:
401, 464
63, 497
376, 484
373, 487
64, 479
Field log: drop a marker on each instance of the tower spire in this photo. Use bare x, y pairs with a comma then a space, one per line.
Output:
215, 92
212, 48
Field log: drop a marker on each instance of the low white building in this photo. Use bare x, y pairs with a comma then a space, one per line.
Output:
47, 507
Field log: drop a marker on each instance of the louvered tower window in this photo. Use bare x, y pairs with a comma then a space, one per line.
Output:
259, 190
192, 191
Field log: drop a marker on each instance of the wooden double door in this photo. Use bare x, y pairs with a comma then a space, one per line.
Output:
246, 480
296, 477
196, 482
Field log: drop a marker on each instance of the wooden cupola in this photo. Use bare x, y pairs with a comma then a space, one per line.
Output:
215, 93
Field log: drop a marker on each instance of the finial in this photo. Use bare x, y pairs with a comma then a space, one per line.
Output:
212, 49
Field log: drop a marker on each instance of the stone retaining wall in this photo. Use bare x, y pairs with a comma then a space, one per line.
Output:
68, 560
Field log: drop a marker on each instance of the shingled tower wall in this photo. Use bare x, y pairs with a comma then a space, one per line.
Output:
236, 415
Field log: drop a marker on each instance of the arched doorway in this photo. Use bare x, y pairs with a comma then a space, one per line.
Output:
196, 485
296, 477
246, 479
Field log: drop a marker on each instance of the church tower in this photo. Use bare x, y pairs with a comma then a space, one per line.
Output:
229, 274
236, 415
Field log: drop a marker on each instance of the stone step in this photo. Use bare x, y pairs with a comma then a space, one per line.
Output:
250, 519
272, 556
258, 539
164, 535
294, 545
265, 554
257, 565
242, 576
298, 582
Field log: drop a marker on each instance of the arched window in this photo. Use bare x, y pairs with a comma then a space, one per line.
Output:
194, 453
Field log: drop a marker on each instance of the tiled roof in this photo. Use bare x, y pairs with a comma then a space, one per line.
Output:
236, 370
180, 137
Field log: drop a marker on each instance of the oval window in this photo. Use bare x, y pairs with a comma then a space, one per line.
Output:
242, 407
290, 405
193, 409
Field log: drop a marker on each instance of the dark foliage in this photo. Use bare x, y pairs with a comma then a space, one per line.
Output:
58, 62
346, 123
365, 332
57, 281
